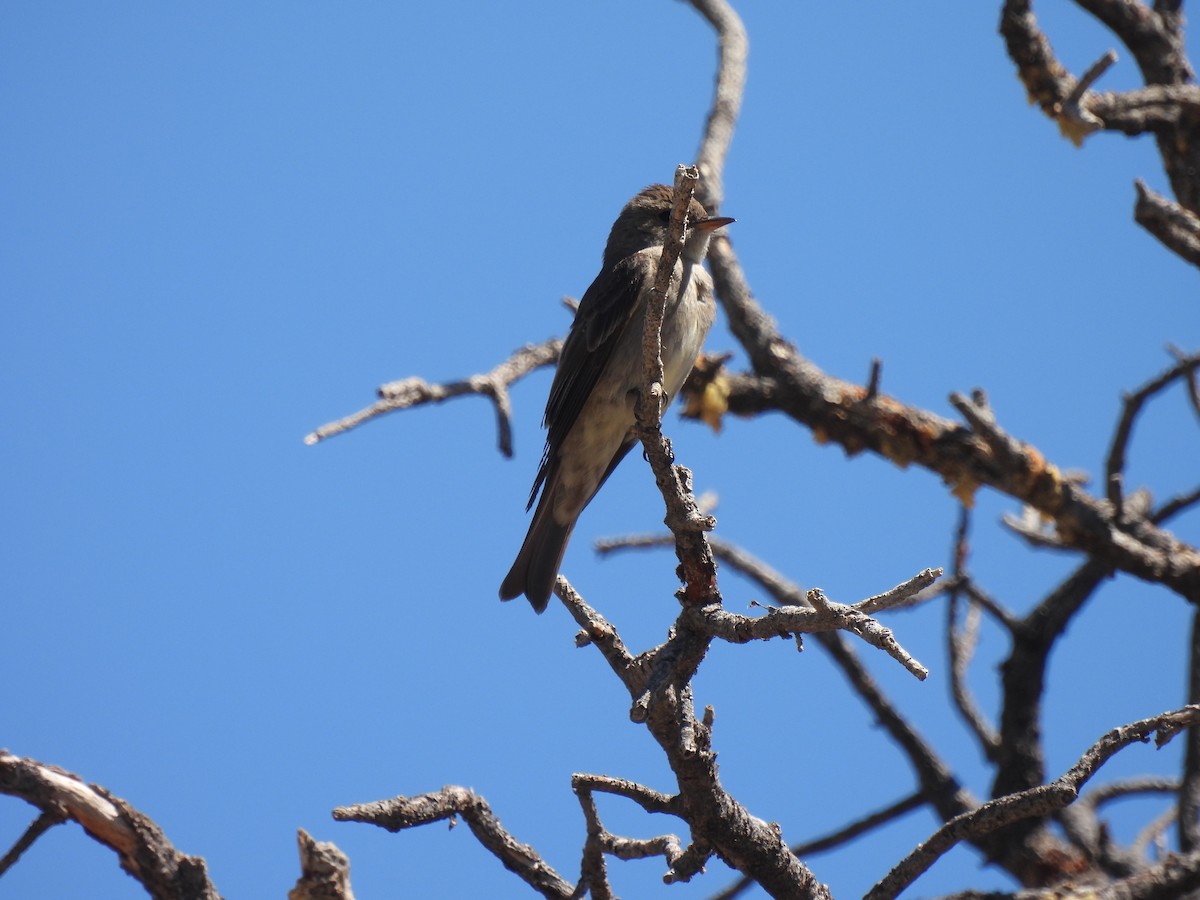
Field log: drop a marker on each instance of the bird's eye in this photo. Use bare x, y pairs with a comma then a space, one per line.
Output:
665, 216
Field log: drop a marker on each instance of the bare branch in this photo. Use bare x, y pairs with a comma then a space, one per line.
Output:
1189, 788
39, 826
836, 839
411, 392
961, 648
1035, 802
451, 801
596, 631
1044, 77
1131, 407
682, 865
820, 615
1152, 108
989, 604
901, 594
650, 800
684, 518
324, 871
593, 870
1176, 227
1173, 878
1154, 833
1158, 50
143, 849
1193, 381
1166, 106
837, 412
1120, 790
1081, 823
1076, 119
733, 50
1020, 762
658, 682
1176, 505
1137, 547
938, 784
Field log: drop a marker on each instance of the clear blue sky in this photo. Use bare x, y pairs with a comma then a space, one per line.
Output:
226, 224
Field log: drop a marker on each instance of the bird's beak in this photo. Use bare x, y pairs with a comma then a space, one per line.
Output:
712, 223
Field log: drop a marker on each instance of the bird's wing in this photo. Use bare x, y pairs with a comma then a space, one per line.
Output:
606, 309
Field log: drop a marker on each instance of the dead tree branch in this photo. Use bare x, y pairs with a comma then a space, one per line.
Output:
965, 458
141, 847
452, 801
1132, 405
410, 392
324, 871
1167, 107
1035, 802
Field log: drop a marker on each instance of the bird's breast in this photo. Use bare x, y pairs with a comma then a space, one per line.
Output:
685, 326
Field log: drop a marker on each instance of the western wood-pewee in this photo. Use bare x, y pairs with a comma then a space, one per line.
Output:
590, 412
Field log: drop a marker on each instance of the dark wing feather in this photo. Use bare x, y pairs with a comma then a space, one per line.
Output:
606, 308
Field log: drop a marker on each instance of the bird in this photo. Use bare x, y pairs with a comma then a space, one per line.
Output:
589, 418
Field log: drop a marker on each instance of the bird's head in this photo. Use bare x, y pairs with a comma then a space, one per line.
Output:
644, 221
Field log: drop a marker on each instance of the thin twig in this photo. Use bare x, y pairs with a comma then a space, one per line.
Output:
819, 615
1131, 407
1175, 505
681, 865
596, 631
961, 645
1154, 832
593, 870
1079, 120
39, 826
410, 392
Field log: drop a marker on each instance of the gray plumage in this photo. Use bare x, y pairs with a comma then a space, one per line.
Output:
590, 412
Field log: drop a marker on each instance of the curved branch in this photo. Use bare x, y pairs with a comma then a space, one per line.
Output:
451, 801
1131, 406
140, 845
733, 49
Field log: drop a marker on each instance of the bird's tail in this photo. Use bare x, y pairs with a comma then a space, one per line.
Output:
537, 564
